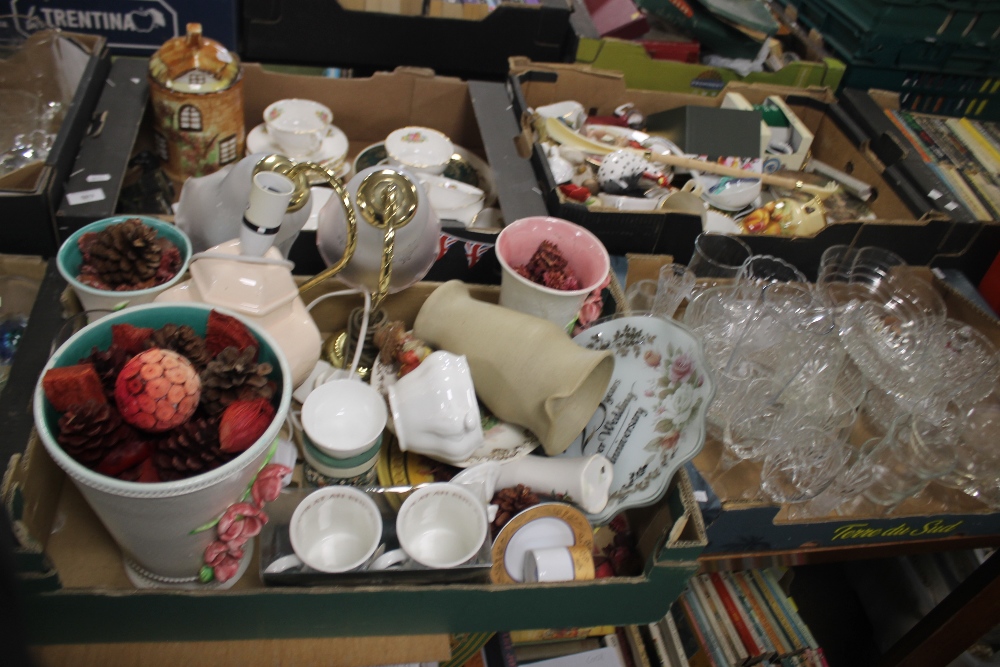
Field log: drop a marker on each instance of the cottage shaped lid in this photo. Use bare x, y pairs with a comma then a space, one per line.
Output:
194, 64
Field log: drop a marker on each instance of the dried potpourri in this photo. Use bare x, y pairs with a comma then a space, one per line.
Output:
137, 411
127, 256
548, 267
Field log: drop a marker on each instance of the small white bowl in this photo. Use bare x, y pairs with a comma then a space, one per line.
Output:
420, 149
344, 418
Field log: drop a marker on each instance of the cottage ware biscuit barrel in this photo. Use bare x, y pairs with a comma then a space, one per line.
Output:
196, 89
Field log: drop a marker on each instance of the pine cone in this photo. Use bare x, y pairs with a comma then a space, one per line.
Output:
88, 432
233, 376
184, 341
191, 448
126, 254
108, 365
511, 501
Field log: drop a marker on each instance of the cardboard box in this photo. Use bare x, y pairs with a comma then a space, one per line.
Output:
904, 222
132, 27
84, 596
327, 33
643, 71
30, 196
744, 527
474, 114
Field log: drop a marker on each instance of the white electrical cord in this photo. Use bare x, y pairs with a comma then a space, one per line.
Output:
364, 320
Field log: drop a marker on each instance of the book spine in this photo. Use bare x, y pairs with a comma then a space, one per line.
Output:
984, 144
704, 629
793, 613
964, 192
692, 642
534, 636
755, 624
778, 610
714, 607
754, 649
925, 138
638, 648
672, 637
763, 614
942, 139
991, 130
914, 139
988, 136
988, 191
970, 142
659, 644
962, 157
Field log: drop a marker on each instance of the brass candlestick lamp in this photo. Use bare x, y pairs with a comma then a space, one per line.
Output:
393, 250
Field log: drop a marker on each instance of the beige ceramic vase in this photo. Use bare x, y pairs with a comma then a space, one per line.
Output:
525, 369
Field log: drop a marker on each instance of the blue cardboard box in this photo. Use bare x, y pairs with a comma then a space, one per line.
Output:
131, 27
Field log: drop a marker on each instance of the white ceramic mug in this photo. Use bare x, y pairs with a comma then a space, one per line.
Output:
298, 126
335, 529
441, 525
344, 418
435, 411
558, 564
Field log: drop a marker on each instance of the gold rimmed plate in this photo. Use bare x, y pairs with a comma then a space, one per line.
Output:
538, 527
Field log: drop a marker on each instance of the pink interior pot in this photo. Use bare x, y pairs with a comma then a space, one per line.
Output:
588, 259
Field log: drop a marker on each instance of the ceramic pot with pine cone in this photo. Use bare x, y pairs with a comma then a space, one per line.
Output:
132, 259
162, 527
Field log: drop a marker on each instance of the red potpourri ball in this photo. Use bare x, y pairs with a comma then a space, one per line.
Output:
157, 390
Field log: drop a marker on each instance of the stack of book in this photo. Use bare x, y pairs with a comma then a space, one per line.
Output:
965, 154
734, 619
729, 619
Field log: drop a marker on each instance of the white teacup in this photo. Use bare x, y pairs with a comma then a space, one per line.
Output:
298, 126
420, 149
344, 418
558, 564
441, 525
434, 409
335, 529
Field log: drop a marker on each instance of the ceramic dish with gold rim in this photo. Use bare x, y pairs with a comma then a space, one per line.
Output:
538, 527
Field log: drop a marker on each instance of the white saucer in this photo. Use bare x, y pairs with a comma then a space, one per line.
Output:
538, 527
333, 149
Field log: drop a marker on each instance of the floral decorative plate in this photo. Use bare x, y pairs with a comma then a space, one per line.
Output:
652, 419
502, 441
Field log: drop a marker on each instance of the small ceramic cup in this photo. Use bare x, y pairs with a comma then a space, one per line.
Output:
441, 525
587, 258
344, 418
435, 411
420, 149
298, 126
335, 529
558, 564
